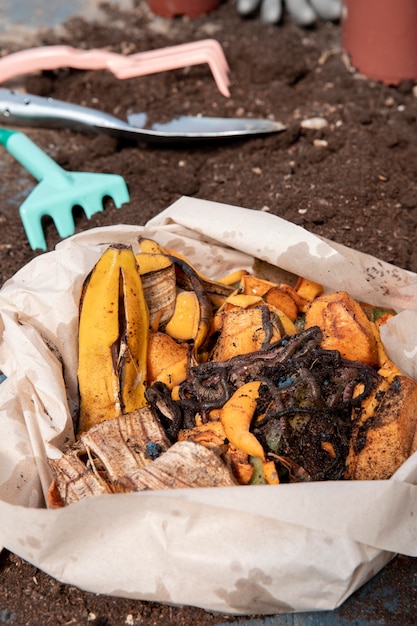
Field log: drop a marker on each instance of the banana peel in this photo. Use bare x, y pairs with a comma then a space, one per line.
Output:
236, 416
150, 246
203, 308
184, 323
217, 290
185, 464
157, 273
112, 339
152, 262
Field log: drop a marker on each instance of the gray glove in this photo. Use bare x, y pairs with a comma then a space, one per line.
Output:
303, 12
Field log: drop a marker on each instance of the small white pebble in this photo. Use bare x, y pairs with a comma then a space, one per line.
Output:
91, 617
320, 143
129, 619
265, 208
302, 211
257, 170
314, 123
400, 108
211, 29
389, 102
181, 163
160, 25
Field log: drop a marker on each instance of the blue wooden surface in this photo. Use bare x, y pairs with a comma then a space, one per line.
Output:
390, 598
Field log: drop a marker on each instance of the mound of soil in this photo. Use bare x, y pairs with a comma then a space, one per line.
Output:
351, 178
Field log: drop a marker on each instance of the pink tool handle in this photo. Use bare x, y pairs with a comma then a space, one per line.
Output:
148, 62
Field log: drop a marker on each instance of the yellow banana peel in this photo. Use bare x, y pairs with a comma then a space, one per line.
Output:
242, 300
217, 290
157, 273
183, 325
113, 338
236, 416
205, 310
133, 366
233, 278
150, 246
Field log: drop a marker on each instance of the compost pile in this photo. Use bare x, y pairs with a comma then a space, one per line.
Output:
306, 400
352, 180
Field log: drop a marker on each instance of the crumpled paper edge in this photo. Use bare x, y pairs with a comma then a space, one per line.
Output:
254, 582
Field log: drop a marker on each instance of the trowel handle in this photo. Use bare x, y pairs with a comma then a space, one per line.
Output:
27, 110
33, 159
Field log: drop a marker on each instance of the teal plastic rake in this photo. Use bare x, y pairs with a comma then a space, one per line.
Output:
58, 191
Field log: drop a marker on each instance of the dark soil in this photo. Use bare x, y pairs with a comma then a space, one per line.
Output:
354, 181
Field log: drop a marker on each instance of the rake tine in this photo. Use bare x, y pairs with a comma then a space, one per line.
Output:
37, 206
90, 206
119, 193
33, 230
93, 188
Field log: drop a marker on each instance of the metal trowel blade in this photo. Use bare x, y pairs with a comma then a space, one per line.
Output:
194, 127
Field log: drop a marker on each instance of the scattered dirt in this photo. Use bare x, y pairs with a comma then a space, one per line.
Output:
354, 181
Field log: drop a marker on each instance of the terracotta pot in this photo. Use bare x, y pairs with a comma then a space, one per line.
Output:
381, 38
173, 8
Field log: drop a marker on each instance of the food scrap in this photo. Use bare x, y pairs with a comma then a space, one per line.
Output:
185, 381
